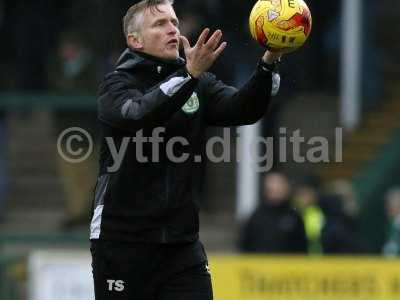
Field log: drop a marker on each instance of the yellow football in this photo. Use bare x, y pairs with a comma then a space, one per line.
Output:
280, 24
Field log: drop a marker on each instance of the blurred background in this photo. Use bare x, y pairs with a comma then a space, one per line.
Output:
53, 55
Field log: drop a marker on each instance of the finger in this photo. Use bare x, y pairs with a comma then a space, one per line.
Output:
214, 39
220, 49
185, 43
203, 37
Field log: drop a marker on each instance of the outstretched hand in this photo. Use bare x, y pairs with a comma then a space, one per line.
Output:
203, 54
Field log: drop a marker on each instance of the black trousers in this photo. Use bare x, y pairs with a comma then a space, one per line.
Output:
138, 271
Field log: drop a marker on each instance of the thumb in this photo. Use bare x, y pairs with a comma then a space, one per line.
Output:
185, 43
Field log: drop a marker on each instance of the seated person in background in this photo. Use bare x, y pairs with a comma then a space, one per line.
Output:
275, 226
392, 244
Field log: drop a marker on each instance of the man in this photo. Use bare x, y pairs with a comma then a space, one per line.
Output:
144, 228
275, 226
391, 247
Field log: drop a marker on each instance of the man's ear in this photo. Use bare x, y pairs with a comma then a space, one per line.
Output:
134, 41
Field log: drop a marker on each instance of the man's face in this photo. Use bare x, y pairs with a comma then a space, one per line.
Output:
159, 34
393, 208
276, 189
305, 196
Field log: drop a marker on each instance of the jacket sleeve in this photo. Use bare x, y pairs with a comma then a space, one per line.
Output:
227, 106
298, 240
127, 108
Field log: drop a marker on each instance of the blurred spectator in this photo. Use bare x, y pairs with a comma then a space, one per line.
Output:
74, 70
392, 244
338, 234
345, 190
306, 200
74, 67
341, 209
275, 227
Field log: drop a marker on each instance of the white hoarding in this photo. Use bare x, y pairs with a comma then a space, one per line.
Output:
60, 275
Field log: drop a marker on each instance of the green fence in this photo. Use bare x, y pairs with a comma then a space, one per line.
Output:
47, 100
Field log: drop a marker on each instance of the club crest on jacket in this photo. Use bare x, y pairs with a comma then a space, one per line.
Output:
192, 105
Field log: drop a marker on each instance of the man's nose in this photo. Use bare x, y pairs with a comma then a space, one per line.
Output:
172, 29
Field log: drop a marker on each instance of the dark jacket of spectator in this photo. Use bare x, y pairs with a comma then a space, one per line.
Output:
339, 234
274, 229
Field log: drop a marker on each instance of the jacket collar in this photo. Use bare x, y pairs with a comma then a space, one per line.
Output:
132, 60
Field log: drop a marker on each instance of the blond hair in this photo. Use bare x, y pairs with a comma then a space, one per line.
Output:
133, 18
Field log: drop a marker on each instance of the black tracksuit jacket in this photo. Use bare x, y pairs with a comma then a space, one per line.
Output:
155, 201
